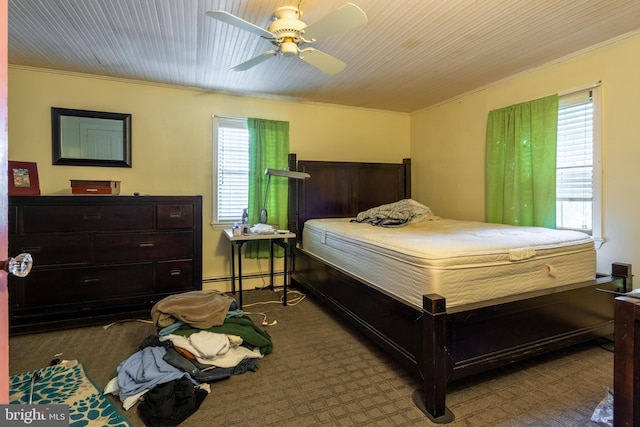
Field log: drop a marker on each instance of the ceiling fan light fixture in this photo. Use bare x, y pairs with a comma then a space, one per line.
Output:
289, 48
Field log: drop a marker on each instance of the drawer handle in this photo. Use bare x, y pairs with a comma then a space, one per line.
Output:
175, 273
175, 215
34, 249
145, 244
91, 216
91, 280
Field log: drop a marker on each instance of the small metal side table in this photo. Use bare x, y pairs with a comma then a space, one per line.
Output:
280, 239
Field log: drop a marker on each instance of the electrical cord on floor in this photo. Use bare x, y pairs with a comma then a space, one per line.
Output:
125, 321
264, 318
296, 300
300, 296
290, 302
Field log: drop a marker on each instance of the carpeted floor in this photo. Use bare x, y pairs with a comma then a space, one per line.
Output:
323, 373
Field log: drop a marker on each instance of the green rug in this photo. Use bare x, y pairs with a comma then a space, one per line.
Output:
67, 383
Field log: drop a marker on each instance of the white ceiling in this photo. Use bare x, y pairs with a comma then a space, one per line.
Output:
411, 53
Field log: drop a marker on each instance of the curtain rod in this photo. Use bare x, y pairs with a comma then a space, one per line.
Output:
581, 88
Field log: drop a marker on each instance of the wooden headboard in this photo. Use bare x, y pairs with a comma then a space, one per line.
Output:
342, 189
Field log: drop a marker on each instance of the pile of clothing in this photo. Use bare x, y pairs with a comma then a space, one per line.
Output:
202, 337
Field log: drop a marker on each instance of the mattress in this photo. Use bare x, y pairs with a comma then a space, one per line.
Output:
464, 261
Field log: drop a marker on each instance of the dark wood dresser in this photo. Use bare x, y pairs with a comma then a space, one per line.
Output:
626, 363
98, 259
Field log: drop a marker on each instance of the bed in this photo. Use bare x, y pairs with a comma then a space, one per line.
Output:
437, 339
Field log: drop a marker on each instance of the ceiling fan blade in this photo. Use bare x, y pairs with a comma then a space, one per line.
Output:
223, 16
347, 17
254, 61
325, 63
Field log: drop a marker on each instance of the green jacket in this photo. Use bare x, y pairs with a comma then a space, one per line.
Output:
252, 336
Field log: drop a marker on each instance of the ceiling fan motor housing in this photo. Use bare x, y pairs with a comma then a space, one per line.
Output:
286, 26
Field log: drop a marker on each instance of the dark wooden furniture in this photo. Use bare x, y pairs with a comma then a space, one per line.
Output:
437, 344
626, 363
101, 258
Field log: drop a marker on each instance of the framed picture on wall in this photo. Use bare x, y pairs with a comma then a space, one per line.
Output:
23, 179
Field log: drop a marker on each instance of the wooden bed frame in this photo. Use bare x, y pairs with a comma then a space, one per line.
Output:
437, 344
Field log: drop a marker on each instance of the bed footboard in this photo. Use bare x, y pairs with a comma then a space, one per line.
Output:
441, 346
470, 341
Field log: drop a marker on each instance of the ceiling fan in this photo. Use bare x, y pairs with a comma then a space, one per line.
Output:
289, 33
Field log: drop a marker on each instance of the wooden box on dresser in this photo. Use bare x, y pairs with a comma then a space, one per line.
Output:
97, 259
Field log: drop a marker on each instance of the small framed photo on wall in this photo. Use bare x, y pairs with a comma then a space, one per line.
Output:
23, 179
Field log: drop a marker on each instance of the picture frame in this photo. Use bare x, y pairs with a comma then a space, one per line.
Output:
23, 179
90, 138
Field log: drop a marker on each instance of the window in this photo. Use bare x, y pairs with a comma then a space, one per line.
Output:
231, 168
578, 163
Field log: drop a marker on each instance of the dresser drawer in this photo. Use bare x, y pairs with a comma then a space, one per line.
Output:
52, 218
144, 246
174, 216
53, 250
100, 258
12, 223
84, 284
174, 275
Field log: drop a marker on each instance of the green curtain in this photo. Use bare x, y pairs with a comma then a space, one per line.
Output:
268, 148
521, 163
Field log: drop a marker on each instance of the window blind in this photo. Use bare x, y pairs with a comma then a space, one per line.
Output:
574, 172
232, 163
